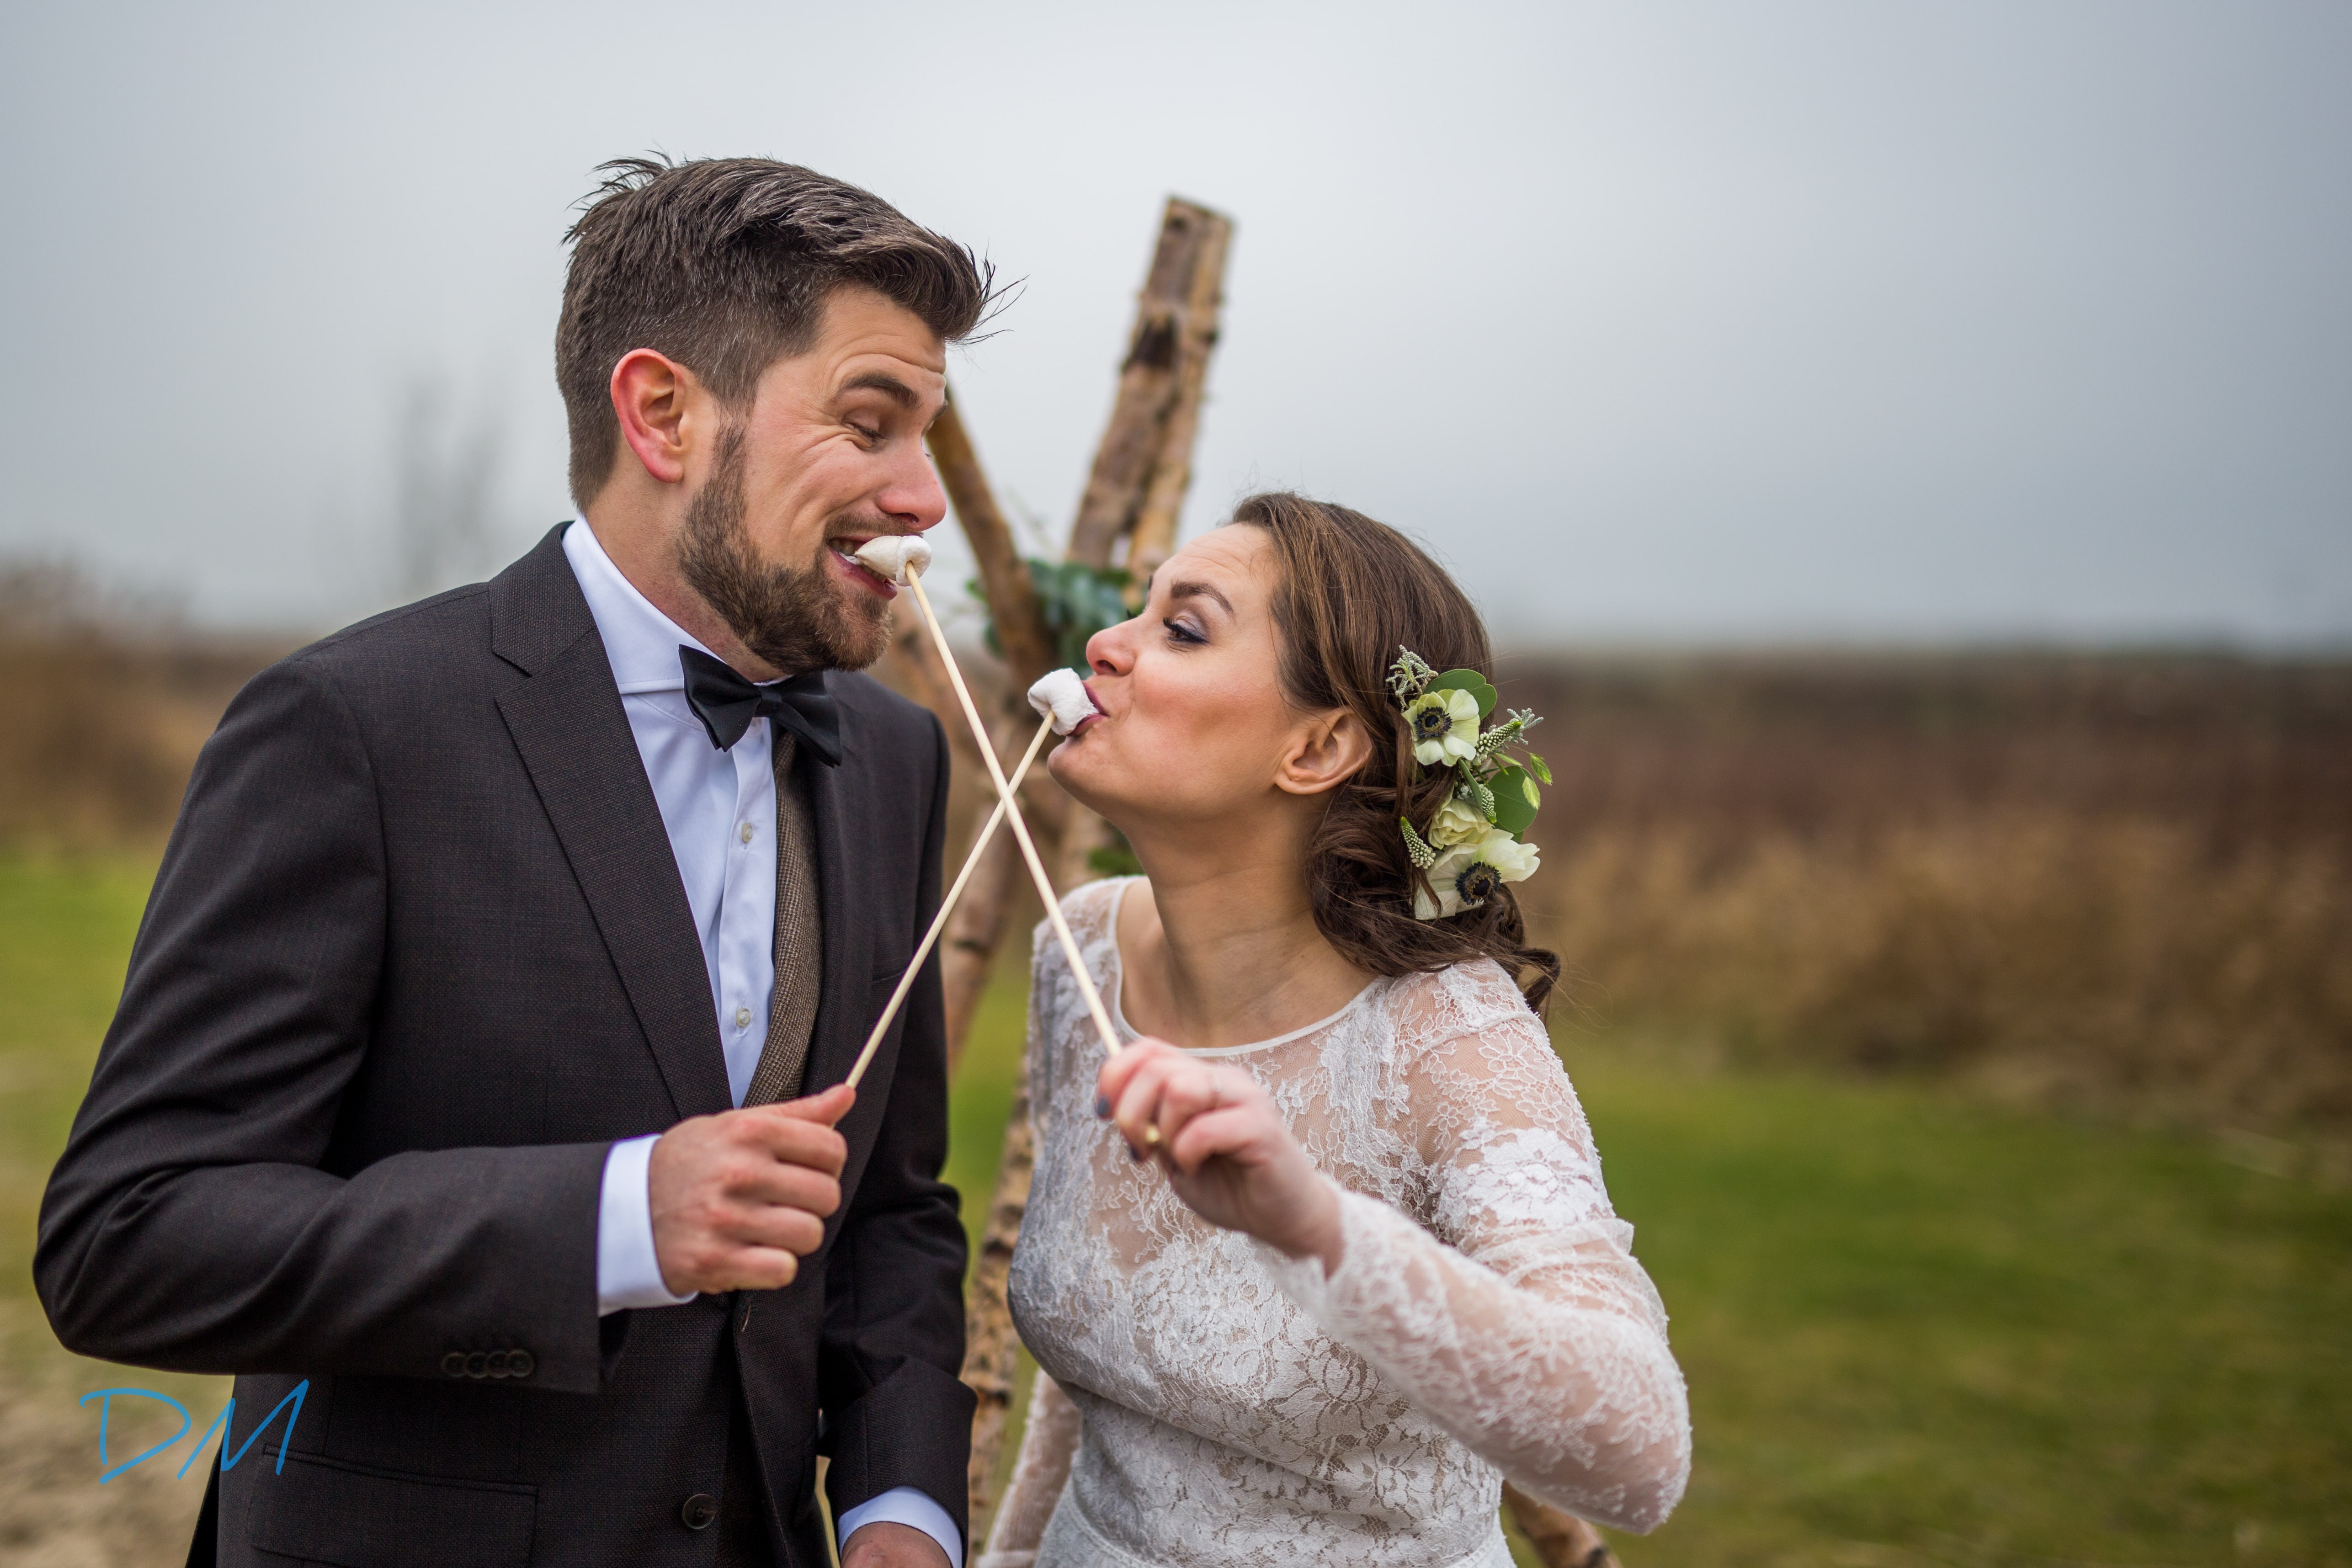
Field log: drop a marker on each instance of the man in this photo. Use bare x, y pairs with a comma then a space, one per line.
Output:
473, 1061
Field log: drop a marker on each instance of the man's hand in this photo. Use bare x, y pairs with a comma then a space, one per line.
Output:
740, 1198
885, 1545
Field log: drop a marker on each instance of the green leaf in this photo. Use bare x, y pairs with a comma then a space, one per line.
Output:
1116, 860
1075, 602
1535, 766
1516, 800
1469, 680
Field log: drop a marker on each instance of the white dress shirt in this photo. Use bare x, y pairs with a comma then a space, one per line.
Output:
720, 810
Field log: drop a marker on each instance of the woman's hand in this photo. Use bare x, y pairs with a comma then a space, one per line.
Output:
1228, 1153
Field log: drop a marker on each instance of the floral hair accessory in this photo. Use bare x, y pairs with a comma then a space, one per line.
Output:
1474, 845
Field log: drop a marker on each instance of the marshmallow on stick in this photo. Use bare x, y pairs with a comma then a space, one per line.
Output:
1061, 700
900, 559
896, 558
1062, 697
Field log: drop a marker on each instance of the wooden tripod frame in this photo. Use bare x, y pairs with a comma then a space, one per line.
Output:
1135, 492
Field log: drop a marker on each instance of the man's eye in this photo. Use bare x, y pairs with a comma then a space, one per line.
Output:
1179, 632
871, 434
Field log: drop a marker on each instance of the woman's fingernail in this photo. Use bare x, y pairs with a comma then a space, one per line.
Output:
1102, 1107
1134, 1155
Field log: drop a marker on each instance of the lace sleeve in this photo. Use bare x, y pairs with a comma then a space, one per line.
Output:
1047, 1443
1519, 1319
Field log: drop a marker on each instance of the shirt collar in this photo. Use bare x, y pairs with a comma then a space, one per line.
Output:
640, 640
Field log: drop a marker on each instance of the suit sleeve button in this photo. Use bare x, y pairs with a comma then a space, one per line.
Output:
453, 1364
520, 1363
698, 1510
478, 1364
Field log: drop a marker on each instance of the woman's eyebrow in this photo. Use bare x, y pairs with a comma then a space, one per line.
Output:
1199, 590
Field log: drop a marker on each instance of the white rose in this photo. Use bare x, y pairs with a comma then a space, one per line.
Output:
1458, 822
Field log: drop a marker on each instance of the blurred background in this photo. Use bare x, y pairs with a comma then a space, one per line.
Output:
1905, 451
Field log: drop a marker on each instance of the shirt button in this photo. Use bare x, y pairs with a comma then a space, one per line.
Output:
744, 832
743, 1017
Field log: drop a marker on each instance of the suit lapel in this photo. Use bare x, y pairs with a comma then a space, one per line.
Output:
567, 723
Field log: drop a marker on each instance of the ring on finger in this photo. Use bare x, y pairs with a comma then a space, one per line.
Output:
1152, 1134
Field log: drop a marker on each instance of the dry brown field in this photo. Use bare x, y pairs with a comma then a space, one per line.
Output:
2112, 881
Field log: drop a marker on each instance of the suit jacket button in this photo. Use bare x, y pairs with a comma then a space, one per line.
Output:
453, 1364
520, 1363
478, 1364
698, 1511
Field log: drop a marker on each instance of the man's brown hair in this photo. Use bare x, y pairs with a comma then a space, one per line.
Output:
725, 264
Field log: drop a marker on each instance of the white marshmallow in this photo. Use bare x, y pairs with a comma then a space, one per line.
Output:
896, 557
1061, 695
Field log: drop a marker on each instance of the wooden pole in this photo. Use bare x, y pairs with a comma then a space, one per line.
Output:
992, 1352
975, 931
1561, 1539
1150, 378
1144, 465
1154, 538
1141, 470
1020, 631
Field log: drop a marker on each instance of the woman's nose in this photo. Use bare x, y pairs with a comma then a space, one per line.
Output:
1111, 651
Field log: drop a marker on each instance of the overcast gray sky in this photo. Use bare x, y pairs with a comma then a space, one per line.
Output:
1689, 322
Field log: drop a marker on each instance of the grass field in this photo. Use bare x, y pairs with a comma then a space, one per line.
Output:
1918, 1330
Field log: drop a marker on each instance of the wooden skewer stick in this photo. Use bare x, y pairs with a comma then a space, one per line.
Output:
1013, 814
947, 908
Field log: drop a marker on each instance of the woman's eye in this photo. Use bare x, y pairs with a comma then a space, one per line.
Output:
1179, 632
863, 431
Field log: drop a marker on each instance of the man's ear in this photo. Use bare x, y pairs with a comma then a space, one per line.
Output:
650, 393
1325, 753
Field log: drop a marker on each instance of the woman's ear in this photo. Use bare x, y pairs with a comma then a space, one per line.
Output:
1324, 752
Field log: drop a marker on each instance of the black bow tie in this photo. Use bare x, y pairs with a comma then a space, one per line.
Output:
726, 704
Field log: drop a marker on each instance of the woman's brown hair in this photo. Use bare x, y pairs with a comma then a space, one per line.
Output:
1354, 591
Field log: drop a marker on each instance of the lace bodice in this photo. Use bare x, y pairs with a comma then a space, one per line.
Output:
1208, 1401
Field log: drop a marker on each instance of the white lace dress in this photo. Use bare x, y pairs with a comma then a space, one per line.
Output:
1208, 1401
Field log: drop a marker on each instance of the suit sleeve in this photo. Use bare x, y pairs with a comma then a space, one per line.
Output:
195, 1222
896, 1413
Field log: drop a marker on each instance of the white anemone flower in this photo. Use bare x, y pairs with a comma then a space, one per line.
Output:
1458, 822
1468, 874
1444, 727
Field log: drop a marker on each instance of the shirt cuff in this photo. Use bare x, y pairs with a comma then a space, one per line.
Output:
627, 1274
907, 1506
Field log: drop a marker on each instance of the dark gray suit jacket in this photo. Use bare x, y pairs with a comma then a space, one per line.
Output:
418, 953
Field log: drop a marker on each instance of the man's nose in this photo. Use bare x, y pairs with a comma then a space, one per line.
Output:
913, 492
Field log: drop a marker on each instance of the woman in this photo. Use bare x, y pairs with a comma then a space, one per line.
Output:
1341, 1262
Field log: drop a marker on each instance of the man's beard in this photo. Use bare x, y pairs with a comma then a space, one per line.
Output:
789, 616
